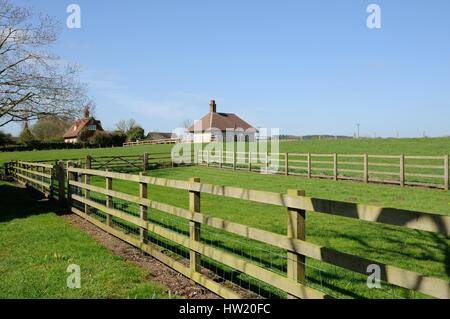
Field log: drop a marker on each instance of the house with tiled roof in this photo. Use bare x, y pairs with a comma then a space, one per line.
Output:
218, 126
73, 133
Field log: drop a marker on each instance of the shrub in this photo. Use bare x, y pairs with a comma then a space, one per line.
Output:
26, 138
107, 139
135, 134
6, 139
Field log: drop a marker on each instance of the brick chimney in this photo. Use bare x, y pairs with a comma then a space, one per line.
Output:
212, 106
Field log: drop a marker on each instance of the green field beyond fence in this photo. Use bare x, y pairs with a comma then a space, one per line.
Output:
252, 243
424, 171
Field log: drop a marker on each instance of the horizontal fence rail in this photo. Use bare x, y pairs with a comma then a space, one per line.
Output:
152, 142
178, 237
122, 163
424, 171
296, 248
45, 178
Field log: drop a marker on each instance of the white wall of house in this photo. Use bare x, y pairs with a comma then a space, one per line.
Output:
204, 137
71, 140
239, 136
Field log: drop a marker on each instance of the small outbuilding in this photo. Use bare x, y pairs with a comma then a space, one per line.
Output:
157, 136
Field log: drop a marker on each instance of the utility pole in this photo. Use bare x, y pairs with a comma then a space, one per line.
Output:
357, 134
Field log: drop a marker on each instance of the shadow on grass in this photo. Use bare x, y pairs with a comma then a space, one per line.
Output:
19, 202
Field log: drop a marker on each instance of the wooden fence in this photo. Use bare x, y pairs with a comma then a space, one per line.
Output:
294, 243
152, 142
83, 199
122, 163
424, 171
45, 178
403, 170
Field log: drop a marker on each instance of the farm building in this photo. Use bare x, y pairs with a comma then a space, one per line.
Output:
158, 136
215, 126
73, 134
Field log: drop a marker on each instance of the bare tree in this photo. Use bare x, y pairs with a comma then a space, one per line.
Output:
125, 126
187, 123
89, 109
51, 128
121, 126
33, 82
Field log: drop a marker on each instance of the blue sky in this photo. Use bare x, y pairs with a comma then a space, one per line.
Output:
306, 67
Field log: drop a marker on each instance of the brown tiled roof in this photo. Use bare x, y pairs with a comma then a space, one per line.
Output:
76, 127
159, 136
220, 121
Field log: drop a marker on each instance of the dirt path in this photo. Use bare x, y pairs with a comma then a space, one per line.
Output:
174, 282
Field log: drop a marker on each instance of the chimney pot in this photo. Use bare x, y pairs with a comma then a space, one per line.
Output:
213, 106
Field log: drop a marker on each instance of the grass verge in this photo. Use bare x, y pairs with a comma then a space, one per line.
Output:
37, 246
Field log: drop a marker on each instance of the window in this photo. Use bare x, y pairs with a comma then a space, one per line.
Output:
92, 127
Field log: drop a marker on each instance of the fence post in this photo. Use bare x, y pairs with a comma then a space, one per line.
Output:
220, 158
194, 227
143, 193
267, 163
446, 173
145, 162
172, 162
6, 169
309, 165
296, 229
207, 158
69, 177
249, 161
335, 166
366, 168
42, 170
54, 176
60, 177
87, 181
109, 200
402, 170
286, 164
234, 160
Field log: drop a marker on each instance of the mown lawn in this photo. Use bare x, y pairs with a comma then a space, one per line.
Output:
414, 250
80, 153
407, 146
37, 246
413, 146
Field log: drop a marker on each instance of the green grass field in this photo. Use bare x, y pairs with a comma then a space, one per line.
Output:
429, 146
37, 246
414, 250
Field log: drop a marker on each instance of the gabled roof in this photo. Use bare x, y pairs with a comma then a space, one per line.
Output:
220, 121
78, 126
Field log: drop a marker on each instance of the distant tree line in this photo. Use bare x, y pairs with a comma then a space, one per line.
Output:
314, 137
48, 131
